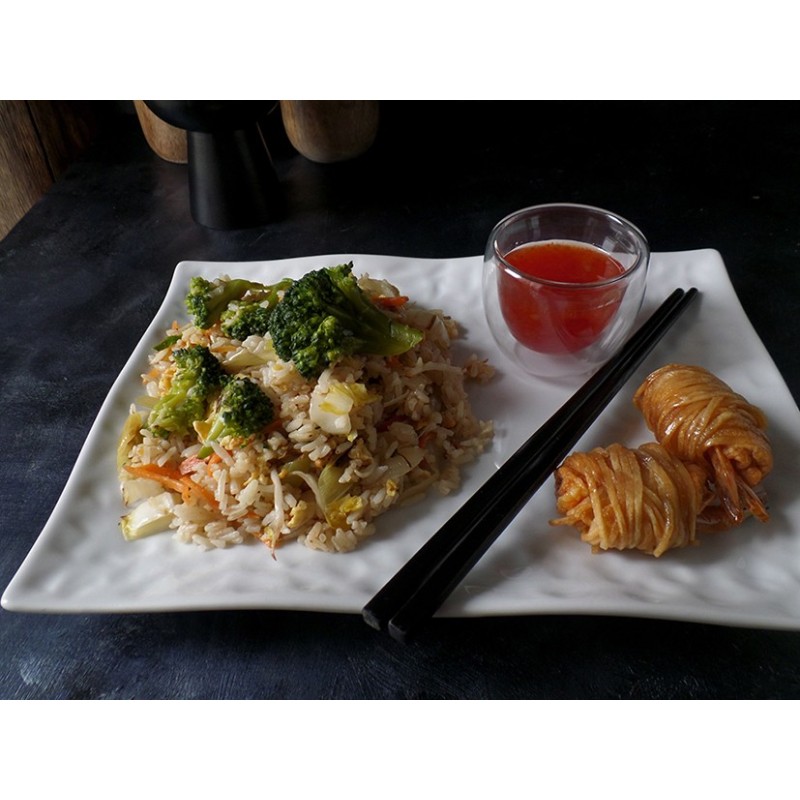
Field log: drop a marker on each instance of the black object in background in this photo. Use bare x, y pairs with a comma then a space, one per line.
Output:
232, 182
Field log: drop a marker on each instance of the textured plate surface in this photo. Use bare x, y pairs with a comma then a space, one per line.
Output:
750, 576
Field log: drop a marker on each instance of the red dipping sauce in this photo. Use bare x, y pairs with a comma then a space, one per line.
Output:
558, 308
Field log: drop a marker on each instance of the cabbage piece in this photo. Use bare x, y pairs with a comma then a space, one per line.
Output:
255, 351
334, 498
128, 435
134, 490
152, 515
332, 402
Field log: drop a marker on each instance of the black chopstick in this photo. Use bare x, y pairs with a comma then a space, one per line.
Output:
418, 589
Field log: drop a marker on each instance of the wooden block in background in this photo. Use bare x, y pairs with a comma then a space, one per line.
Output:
166, 141
327, 131
38, 140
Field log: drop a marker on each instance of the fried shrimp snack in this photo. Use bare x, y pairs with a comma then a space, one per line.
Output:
622, 499
700, 419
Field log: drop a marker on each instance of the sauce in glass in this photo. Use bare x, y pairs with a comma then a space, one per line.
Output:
564, 318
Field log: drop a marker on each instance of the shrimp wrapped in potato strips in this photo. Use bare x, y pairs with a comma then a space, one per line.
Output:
701, 420
622, 499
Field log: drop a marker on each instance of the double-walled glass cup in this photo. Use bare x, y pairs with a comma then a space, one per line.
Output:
562, 286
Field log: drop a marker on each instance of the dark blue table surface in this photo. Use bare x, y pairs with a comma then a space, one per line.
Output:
83, 273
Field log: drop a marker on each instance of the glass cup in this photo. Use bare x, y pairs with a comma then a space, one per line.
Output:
562, 286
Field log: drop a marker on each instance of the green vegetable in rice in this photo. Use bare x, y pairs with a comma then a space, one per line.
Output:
243, 318
167, 342
325, 315
241, 410
198, 375
207, 301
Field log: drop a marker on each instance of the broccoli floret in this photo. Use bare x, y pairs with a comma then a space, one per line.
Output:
207, 300
197, 376
250, 317
241, 410
325, 316
241, 320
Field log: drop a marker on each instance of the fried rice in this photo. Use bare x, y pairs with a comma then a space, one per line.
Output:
370, 433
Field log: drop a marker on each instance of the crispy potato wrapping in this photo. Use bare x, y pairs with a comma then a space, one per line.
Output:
618, 498
700, 419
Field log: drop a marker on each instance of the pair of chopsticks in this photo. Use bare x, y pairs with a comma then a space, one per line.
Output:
419, 588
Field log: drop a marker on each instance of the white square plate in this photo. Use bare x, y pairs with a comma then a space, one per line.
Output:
750, 576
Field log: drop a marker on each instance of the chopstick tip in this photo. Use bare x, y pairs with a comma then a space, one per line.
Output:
399, 634
372, 619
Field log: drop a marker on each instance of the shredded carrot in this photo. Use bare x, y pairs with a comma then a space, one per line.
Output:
393, 362
192, 489
391, 302
426, 437
188, 464
171, 478
168, 477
